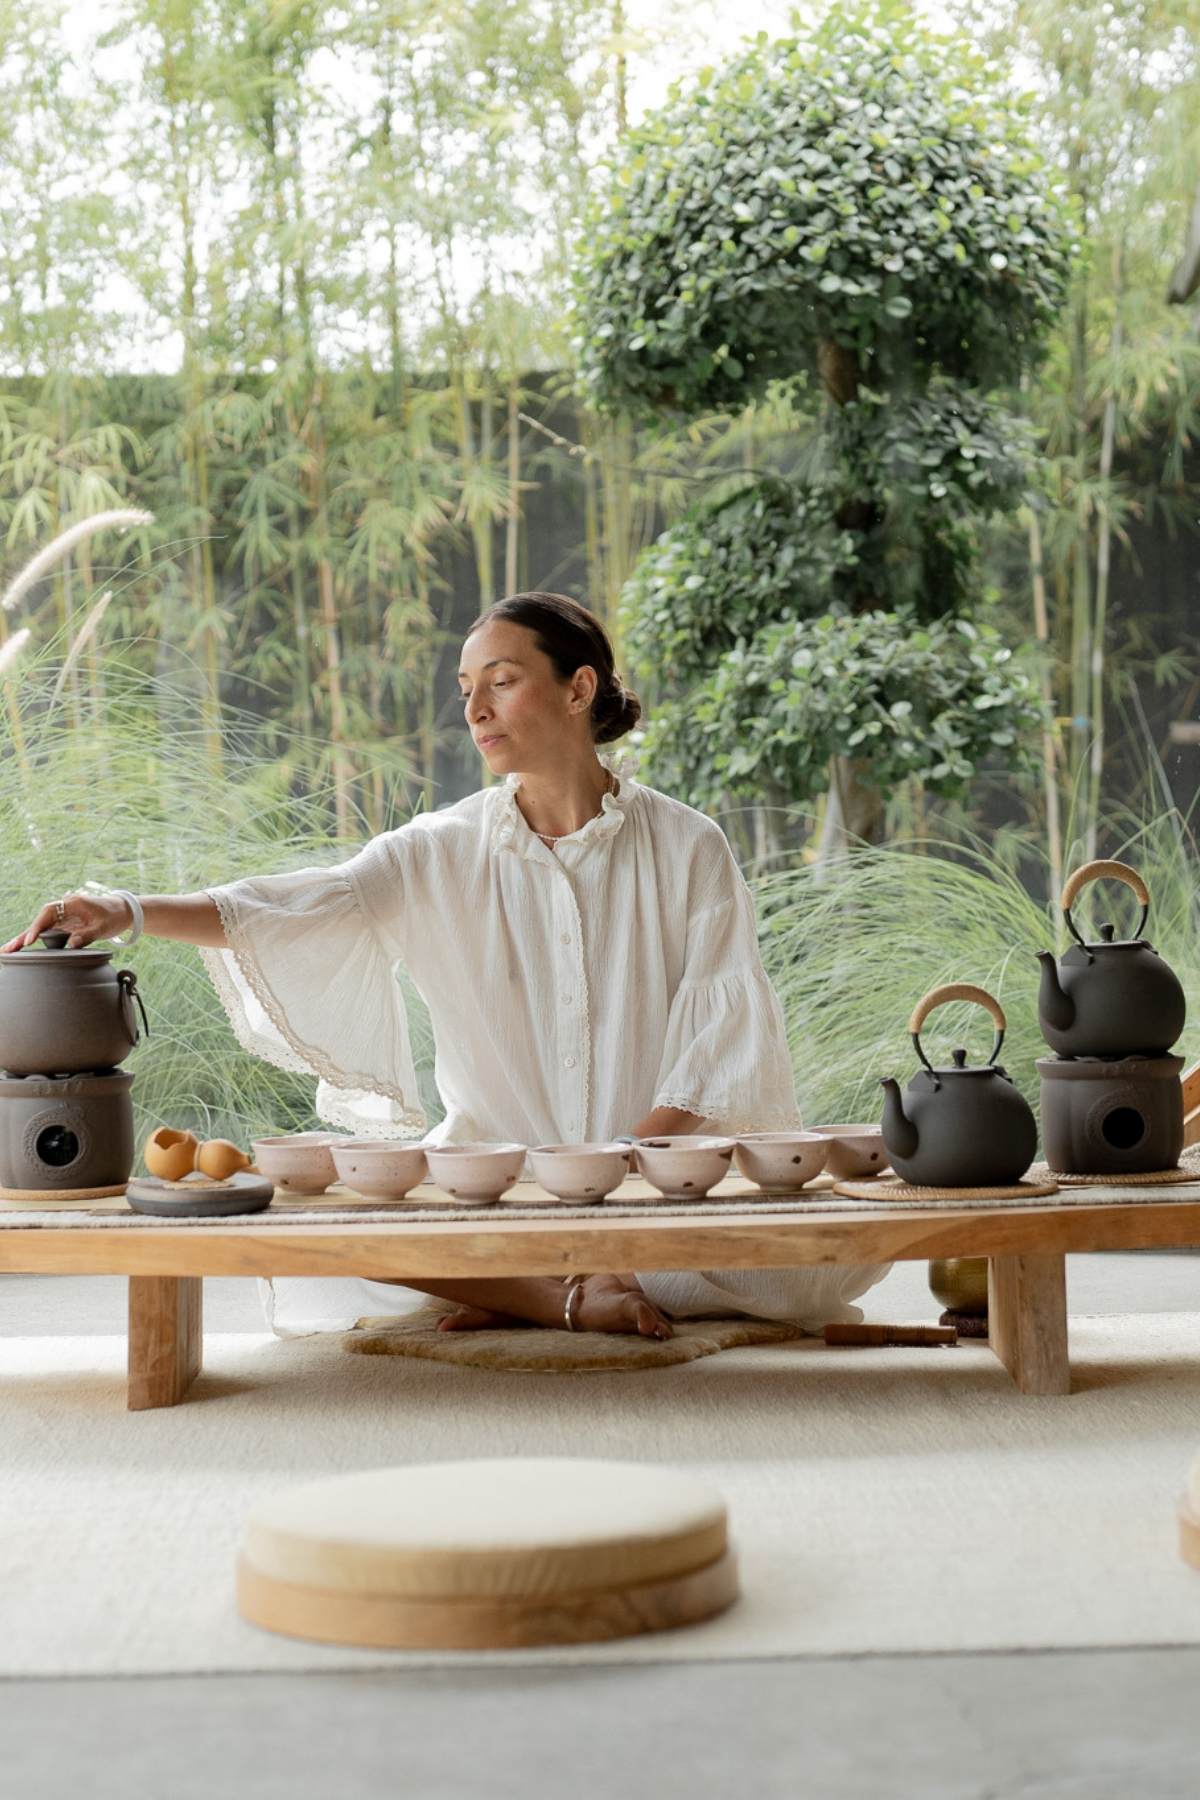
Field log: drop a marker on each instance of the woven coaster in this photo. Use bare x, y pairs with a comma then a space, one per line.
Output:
57, 1196
883, 1189
1152, 1178
548, 1352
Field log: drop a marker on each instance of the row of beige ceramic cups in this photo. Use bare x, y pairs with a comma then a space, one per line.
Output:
681, 1168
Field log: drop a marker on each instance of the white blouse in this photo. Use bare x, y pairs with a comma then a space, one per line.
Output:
570, 991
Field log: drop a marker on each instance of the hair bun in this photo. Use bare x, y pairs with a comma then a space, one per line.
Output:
616, 712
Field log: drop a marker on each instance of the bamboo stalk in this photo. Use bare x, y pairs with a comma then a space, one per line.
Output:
1103, 555
512, 527
1041, 627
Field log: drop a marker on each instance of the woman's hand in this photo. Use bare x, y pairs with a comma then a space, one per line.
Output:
85, 916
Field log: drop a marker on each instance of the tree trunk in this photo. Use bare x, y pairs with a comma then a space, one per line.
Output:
853, 811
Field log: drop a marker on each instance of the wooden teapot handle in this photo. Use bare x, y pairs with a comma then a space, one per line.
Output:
957, 990
1103, 871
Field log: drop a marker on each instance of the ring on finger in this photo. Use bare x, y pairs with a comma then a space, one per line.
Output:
60, 910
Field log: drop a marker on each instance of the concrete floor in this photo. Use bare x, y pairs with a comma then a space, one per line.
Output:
1073, 1726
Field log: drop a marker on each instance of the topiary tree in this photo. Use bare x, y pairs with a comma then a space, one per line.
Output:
857, 210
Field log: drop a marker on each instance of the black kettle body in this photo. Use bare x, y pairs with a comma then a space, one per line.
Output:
1114, 997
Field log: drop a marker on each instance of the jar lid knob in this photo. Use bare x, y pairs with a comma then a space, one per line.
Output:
54, 940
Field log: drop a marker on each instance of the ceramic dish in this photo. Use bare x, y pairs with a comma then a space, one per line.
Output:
379, 1168
781, 1161
198, 1197
854, 1150
474, 1174
580, 1173
301, 1163
683, 1168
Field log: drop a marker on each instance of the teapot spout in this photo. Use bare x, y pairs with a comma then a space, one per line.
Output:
1056, 1007
899, 1132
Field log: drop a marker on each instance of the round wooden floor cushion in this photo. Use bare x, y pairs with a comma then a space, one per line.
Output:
496, 1553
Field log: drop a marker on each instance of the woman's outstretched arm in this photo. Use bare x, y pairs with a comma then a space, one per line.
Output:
188, 918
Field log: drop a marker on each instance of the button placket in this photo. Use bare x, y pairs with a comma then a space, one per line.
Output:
573, 1029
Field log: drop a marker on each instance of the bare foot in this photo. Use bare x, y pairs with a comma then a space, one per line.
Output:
617, 1303
607, 1303
479, 1318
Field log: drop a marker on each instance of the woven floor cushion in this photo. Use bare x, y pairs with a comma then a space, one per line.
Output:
500, 1553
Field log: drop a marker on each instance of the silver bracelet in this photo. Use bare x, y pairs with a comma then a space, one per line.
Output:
139, 917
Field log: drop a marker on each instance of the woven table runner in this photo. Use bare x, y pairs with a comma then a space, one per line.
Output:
732, 1198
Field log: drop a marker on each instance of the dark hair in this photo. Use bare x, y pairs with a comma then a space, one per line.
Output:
571, 637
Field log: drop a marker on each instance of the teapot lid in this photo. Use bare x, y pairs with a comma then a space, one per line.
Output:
1109, 940
53, 950
961, 1066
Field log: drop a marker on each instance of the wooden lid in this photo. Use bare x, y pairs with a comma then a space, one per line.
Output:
508, 1528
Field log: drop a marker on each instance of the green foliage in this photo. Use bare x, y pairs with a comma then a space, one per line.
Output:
849, 959
769, 551
866, 184
924, 703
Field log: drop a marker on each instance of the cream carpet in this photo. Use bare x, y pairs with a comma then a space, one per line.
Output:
881, 1500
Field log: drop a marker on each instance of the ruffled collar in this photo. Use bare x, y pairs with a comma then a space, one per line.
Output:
511, 831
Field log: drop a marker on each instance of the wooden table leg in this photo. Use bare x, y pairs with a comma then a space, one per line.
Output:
166, 1338
1027, 1320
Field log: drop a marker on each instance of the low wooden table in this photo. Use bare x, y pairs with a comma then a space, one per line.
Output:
1026, 1248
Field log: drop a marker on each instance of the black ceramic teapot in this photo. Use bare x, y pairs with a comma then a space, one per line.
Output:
958, 1127
1112, 998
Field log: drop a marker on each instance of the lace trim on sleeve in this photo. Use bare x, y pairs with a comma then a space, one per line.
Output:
298, 1057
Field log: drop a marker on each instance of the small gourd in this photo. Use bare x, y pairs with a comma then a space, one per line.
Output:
220, 1159
170, 1154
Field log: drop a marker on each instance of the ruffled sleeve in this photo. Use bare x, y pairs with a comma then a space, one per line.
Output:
726, 1056
309, 983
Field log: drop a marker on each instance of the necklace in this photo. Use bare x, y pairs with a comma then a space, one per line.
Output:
552, 837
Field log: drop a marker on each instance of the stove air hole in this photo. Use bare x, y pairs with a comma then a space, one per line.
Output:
56, 1146
1123, 1127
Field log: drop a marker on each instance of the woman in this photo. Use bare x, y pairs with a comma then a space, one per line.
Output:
586, 947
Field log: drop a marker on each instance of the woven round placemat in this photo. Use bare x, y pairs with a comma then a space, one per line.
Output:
548, 1352
56, 1196
884, 1189
1152, 1178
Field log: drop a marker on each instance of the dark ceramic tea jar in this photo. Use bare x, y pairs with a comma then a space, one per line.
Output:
65, 1131
1116, 997
65, 1011
959, 1127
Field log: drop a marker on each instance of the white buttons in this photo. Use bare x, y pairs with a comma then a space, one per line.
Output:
566, 999
566, 937
568, 1062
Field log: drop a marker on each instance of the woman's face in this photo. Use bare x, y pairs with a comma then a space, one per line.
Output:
518, 711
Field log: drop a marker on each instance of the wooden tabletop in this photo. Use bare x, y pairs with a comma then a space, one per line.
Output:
547, 1245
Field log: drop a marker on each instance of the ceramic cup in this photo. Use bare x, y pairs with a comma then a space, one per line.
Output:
684, 1168
379, 1168
781, 1161
854, 1150
475, 1174
580, 1172
301, 1163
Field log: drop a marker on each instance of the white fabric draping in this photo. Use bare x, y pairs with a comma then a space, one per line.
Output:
571, 991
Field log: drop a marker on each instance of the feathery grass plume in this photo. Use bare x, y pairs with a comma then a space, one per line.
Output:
849, 959
86, 632
64, 543
131, 800
11, 649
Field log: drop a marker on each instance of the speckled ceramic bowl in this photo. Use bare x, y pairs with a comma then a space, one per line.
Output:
379, 1168
580, 1173
475, 1174
301, 1163
854, 1150
781, 1161
684, 1168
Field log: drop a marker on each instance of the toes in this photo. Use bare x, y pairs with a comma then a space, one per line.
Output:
650, 1323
